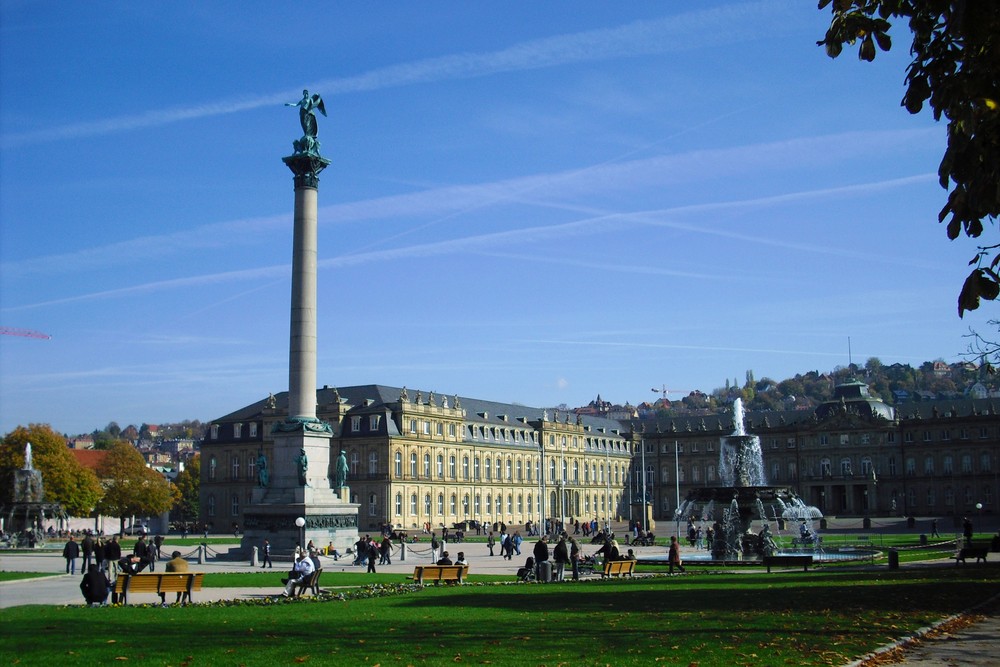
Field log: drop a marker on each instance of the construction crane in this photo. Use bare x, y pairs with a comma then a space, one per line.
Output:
26, 333
663, 390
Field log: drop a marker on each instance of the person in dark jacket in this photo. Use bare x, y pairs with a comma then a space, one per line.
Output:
95, 586
87, 546
112, 554
71, 552
560, 555
143, 551
541, 554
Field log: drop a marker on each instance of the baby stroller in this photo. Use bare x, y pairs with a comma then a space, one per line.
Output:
527, 573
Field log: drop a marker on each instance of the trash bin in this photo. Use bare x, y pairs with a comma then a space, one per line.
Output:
781, 523
866, 523
893, 559
545, 571
822, 523
910, 522
923, 540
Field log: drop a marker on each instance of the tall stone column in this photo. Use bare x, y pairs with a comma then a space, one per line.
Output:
298, 491
302, 342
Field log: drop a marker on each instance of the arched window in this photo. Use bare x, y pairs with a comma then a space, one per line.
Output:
413, 465
399, 464
427, 505
211, 468
413, 504
520, 476
373, 463
440, 465
465, 467
452, 468
427, 465
373, 504
441, 504
489, 469
211, 505
399, 504
235, 500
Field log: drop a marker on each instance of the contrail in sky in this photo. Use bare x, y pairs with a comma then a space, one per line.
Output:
692, 30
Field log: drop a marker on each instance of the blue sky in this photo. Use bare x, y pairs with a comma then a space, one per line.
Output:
527, 202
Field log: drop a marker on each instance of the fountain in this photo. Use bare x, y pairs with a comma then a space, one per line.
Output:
29, 509
744, 496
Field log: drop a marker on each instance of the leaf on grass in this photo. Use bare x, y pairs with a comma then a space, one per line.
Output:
121, 657
302, 658
112, 641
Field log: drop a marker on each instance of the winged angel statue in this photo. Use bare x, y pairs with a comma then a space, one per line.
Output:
307, 117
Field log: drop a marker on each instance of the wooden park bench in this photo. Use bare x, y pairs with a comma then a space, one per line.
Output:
618, 568
438, 573
979, 553
168, 582
310, 583
779, 560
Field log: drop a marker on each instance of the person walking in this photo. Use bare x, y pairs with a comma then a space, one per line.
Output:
385, 551
674, 555
267, 556
560, 556
435, 547
87, 547
491, 542
967, 531
71, 552
574, 557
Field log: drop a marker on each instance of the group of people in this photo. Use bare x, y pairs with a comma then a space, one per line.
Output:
510, 545
104, 562
565, 552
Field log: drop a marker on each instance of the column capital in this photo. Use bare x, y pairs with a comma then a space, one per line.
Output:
306, 167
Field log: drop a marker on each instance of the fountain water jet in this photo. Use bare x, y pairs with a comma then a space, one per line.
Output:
744, 496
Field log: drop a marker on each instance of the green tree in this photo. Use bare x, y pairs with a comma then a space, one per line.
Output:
65, 481
955, 70
188, 483
130, 488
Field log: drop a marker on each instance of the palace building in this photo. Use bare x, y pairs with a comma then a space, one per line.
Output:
417, 459
853, 456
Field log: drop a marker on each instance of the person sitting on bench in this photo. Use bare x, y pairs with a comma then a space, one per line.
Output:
444, 560
302, 570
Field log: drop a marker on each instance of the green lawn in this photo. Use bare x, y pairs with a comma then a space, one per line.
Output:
821, 617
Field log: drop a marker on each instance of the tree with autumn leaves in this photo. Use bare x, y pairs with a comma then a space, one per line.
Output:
131, 488
65, 481
123, 486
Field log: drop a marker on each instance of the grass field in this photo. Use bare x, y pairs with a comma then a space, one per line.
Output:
706, 618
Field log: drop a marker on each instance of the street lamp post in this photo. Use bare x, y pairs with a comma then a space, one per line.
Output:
301, 523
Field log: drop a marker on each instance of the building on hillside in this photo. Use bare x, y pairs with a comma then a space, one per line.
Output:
853, 455
81, 442
418, 459
179, 448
